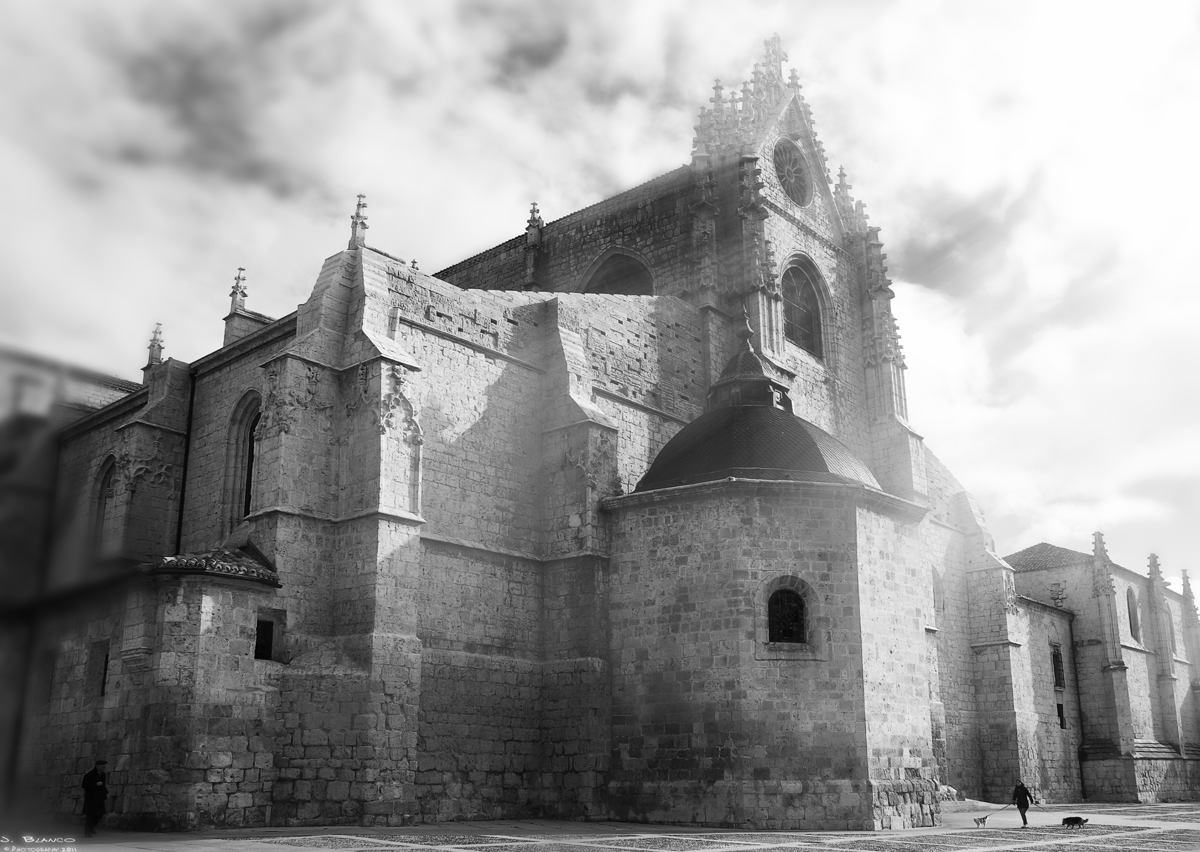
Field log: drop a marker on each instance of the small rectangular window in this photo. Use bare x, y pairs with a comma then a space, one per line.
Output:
1060, 674
1062, 719
96, 669
264, 639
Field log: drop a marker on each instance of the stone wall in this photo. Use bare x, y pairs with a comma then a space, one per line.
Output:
705, 727
894, 585
222, 381
644, 220
1057, 764
160, 680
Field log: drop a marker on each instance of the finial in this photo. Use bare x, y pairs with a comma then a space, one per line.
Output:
745, 332
238, 293
1098, 548
794, 80
1155, 571
715, 100
156, 346
358, 224
533, 226
413, 264
842, 185
774, 56
1189, 611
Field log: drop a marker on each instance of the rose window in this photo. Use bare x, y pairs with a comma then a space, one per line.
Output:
792, 172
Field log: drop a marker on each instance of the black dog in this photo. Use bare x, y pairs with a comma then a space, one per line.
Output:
1074, 822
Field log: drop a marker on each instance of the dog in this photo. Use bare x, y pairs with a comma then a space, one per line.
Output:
1073, 822
980, 822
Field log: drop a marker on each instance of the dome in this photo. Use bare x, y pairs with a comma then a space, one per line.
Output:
753, 442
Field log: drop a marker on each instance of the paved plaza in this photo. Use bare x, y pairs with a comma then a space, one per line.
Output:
1110, 828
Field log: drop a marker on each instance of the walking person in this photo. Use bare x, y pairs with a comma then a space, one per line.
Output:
1021, 798
95, 791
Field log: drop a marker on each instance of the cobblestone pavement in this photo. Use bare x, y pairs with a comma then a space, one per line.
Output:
1110, 828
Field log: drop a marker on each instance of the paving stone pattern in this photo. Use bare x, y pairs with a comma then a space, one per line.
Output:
1039, 839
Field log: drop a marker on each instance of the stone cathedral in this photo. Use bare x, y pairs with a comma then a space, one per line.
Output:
624, 518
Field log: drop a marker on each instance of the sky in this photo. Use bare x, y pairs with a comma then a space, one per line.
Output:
1033, 167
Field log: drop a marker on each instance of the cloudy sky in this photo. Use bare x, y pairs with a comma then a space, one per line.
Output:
1033, 167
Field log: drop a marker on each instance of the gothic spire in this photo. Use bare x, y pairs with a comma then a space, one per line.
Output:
735, 122
358, 224
156, 346
237, 295
1189, 601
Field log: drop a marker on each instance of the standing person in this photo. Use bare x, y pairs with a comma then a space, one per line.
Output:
95, 791
1021, 798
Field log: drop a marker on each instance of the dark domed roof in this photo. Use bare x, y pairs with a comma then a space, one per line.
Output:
745, 364
753, 442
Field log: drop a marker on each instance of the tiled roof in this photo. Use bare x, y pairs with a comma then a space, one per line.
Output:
753, 442
1043, 555
243, 563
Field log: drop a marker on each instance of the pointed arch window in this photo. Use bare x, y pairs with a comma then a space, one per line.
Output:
621, 275
1056, 663
106, 531
240, 474
1131, 603
802, 309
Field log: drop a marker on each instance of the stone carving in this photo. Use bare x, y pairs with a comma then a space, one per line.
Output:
359, 395
1010, 594
593, 462
279, 409
396, 411
218, 562
396, 275
735, 122
136, 660
1058, 594
1102, 584
578, 462
134, 469
884, 343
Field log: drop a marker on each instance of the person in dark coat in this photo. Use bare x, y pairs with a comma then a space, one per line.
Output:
1021, 798
95, 791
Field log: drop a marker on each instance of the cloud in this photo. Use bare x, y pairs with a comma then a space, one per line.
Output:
962, 240
1027, 163
208, 84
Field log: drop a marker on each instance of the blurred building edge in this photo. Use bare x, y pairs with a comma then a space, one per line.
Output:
38, 397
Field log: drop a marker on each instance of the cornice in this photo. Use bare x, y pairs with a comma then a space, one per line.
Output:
860, 495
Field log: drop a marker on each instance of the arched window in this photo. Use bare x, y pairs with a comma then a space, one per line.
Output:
1056, 663
106, 532
621, 275
802, 308
785, 617
1131, 602
240, 459
248, 474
